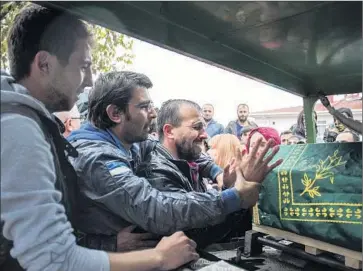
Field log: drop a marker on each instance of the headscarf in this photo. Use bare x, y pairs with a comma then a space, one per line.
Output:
268, 133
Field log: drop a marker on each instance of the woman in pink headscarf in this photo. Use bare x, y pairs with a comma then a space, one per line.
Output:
266, 133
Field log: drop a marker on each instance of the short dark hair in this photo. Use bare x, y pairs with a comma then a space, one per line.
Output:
246, 129
113, 88
169, 113
38, 28
286, 132
244, 105
209, 105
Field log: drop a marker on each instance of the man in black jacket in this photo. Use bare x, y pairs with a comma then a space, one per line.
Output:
113, 145
171, 165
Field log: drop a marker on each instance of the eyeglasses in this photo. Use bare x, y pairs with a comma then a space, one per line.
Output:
78, 118
82, 119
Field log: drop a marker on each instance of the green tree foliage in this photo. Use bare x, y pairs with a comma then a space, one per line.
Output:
111, 50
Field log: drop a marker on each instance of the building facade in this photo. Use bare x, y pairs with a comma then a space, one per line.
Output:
283, 118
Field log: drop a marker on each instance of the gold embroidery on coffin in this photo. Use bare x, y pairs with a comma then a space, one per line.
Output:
345, 213
322, 172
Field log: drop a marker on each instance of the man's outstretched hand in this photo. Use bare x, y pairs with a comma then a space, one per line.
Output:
324, 100
254, 166
229, 173
251, 171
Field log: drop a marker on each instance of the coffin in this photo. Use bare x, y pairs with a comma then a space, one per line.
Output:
316, 192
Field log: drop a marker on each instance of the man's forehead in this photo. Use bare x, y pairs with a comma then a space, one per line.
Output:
207, 107
190, 113
242, 107
82, 50
140, 94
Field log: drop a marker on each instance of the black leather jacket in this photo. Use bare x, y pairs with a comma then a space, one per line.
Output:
174, 175
168, 174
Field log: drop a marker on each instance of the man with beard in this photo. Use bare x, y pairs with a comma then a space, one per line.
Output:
235, 126
112, 146
50, 62
213, 127
171, 165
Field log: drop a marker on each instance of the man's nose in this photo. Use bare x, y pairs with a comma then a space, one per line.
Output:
203, 134
88, 79
152, 113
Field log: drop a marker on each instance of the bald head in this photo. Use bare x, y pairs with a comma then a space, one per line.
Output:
73, 113
346, 137
70, 119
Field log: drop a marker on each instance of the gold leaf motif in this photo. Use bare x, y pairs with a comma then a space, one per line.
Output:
340, 213
286, 200
311, 212
304, 212
349, 213
331, 212
297, 211
323, 171
311, 193
317, 210
286, 193
324, 212
358, 213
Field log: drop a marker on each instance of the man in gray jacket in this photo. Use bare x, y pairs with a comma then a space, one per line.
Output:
235, 127
120, 113
49, 55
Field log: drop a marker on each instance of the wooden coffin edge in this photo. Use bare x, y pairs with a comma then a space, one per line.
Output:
309, 242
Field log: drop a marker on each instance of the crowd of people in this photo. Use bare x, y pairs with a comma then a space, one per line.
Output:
129, 187
110, 196
242, 128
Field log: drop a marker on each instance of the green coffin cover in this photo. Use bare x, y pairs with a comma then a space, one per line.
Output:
316, 192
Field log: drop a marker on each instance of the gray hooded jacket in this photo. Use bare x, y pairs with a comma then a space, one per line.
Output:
33, 217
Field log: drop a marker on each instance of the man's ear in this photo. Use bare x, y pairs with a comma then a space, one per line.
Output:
44, 62
168, 131
114, 113
68, 125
